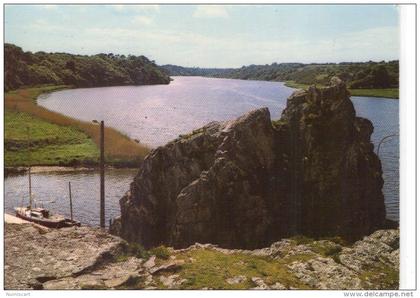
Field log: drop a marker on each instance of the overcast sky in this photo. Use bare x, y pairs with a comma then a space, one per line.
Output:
210, 36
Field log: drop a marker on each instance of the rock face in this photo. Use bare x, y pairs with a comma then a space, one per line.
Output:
89, 258
249, 182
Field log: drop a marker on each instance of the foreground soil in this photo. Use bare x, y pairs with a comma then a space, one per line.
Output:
57, 139
90, 258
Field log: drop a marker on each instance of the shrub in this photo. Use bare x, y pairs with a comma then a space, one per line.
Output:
161, 252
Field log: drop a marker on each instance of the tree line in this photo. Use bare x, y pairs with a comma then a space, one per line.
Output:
31, 69
360, 75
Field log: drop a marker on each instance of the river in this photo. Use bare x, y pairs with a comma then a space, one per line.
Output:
157, 114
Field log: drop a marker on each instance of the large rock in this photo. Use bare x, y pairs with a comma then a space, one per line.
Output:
335, 176
249, 182
35, 256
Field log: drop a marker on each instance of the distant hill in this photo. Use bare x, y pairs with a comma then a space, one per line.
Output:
357, 75
29, 69
175, 70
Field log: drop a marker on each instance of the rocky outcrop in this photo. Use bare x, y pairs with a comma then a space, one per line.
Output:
35, 255
89, 258
249, 182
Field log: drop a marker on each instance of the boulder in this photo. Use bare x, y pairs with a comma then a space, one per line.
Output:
249, 182
33, 258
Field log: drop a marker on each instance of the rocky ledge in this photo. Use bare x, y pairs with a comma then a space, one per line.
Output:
249, 182
89, 258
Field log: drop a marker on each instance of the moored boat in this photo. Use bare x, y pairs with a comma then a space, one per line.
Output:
42, 216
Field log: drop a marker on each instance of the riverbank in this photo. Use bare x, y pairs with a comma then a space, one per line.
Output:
90, 258
386, 93
11, 171
58, 140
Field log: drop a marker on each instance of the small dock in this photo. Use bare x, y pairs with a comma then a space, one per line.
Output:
11, 219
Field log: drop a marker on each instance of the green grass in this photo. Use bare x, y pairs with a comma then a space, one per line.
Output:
382, 276
160, 252
386, 93
69, 142
211, 269
293, 84
133, 249
50, 144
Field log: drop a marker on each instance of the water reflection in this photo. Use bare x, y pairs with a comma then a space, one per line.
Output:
157, 114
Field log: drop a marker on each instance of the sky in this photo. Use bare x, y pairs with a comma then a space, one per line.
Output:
212, 35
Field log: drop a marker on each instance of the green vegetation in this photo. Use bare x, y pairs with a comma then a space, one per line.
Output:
32, 69
161, 252
386, 92
134, 249
293, 84
175, 70
211, 269
380, 79
383, 276
57, 139
50, 144
366, 75
325, 249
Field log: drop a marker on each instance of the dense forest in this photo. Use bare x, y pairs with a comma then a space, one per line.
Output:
356, 75
30, 69
175, 70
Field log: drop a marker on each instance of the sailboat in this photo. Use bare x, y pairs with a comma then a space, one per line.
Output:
39, 215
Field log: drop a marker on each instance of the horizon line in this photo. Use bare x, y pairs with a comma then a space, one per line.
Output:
207, 67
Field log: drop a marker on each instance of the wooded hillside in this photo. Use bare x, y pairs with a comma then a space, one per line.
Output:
31, 69
360, 75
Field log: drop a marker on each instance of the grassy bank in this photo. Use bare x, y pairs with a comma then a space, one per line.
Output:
57, 139
387, 93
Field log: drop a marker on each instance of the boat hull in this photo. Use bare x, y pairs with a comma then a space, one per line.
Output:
49, 223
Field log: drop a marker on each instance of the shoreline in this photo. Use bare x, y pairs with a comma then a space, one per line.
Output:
389, 93
363, 92
130, 159
12, 171
125, 152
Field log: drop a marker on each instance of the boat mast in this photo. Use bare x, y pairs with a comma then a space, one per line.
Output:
29, 170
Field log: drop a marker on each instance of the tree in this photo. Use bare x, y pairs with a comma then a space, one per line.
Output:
381, 77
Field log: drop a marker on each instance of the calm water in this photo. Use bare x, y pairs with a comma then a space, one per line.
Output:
157, 114
51, 190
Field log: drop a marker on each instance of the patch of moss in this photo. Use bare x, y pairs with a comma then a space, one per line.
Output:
298, 257
382, 277
133, 250
211, 269
326, 249
122, 258
339, 240
301, 239
160, 252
